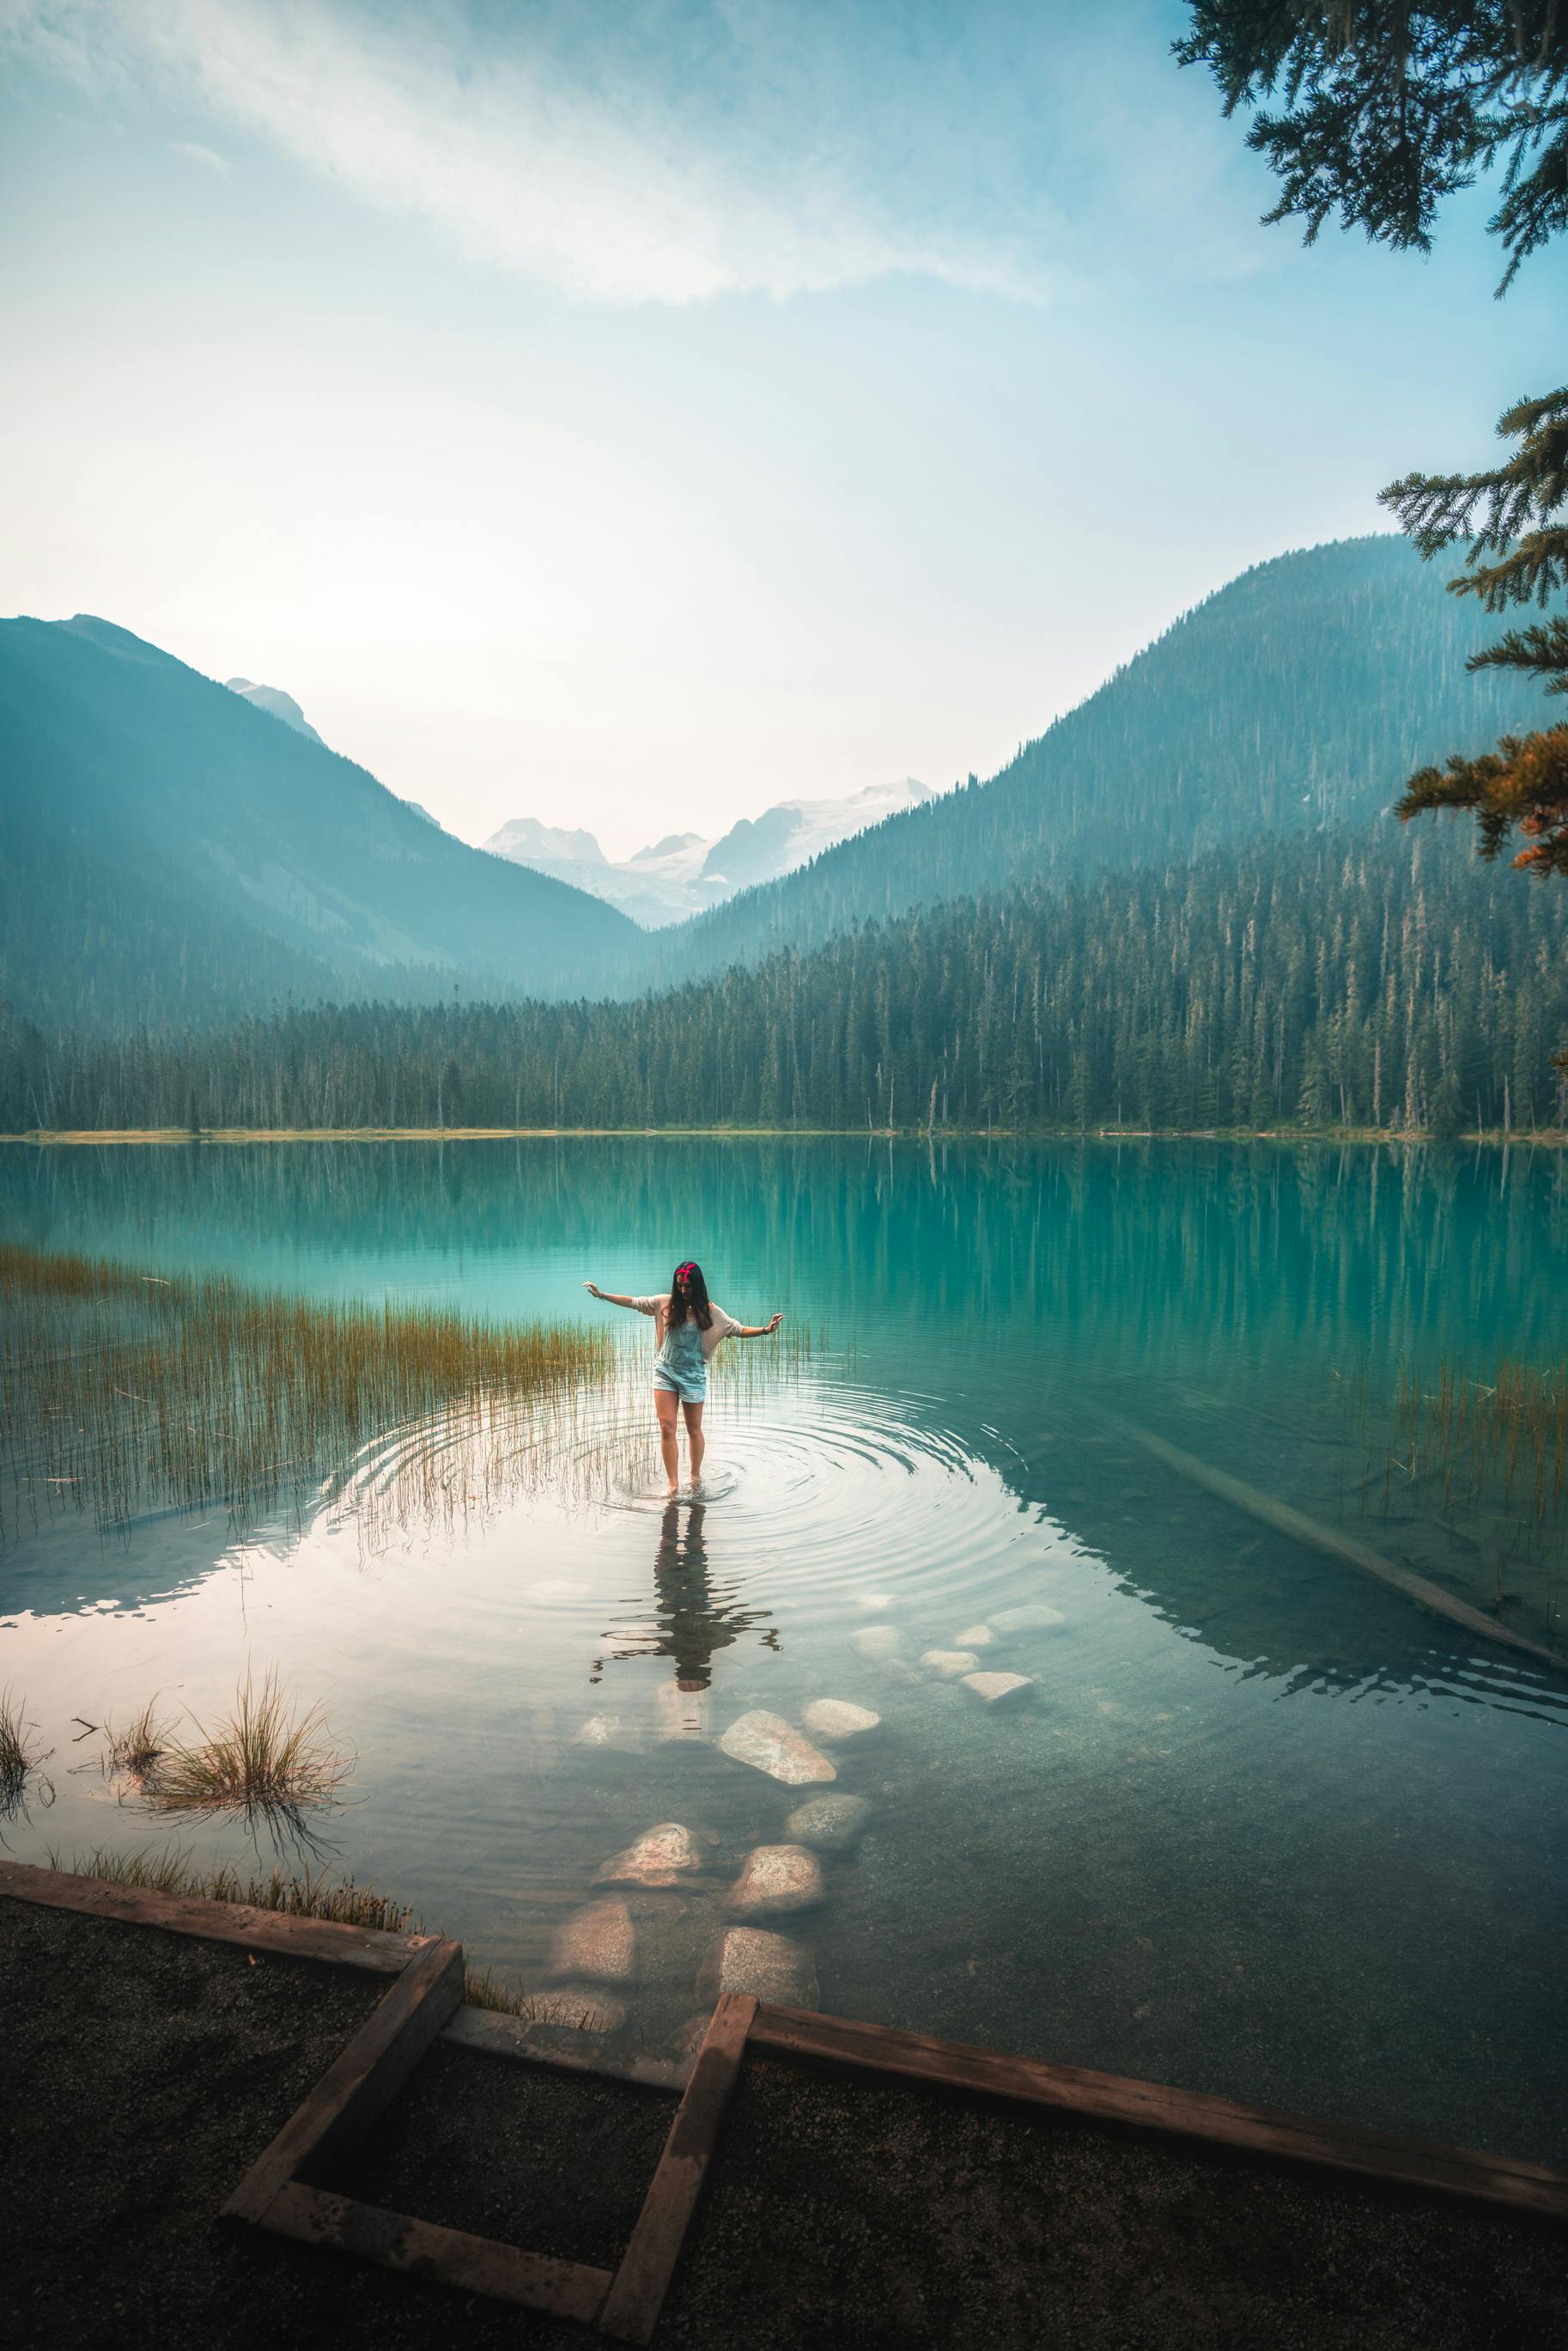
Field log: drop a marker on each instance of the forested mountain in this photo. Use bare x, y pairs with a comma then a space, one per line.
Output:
170, 854
169, 851
1374, 977
1300, 695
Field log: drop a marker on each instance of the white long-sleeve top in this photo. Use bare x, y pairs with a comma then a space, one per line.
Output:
721, 1326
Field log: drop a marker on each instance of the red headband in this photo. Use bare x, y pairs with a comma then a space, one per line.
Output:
683, 1270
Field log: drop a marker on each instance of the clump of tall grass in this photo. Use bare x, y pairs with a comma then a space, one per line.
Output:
120, 1390
265, 1757
21, 1760
137, 1748
310, 1895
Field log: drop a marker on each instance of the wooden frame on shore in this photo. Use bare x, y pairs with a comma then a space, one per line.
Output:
624, 2302
425, 1995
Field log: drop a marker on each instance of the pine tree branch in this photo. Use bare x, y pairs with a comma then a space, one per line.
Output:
1521, 786
1541, 650
1375, 109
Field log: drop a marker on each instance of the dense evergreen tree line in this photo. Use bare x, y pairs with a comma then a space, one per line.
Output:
1365, 979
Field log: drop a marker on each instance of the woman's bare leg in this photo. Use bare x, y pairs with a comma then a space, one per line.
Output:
696, 1442
664, 1404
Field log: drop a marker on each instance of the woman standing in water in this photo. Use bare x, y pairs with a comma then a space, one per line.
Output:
687, 1328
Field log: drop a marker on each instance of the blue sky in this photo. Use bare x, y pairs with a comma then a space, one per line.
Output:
631, 416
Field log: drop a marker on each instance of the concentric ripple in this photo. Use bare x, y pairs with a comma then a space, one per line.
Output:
821, 1495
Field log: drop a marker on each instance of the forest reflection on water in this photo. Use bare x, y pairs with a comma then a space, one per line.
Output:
1265, 1827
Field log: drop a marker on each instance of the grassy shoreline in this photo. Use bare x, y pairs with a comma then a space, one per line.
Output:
1551, 1138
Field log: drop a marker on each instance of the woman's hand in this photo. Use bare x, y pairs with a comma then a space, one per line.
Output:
593, 1290
772, 1326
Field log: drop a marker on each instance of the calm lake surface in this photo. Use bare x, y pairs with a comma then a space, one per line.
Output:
1265, 1827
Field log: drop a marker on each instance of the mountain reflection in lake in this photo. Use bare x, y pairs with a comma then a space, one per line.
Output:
1261, 1826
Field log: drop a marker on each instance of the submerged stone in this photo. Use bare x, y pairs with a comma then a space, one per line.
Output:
1035, 1616
775, 1878
599, 1943
659, 1856
974, 1637
768, 1743
949, 1662
614, 1732
874, 1642
581, 2007
834, 1719
681, 1714
767, 1967
687, 2038
831, 1824
998, 1689
874, 1599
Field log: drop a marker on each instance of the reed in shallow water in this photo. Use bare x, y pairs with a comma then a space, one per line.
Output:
134, 1752
121, 1390
1488, 1458
21, 1760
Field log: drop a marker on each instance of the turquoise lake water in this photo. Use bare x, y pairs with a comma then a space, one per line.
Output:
1262, 1826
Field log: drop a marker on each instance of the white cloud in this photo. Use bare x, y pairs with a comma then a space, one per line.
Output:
677, 151
672, 155
207, 157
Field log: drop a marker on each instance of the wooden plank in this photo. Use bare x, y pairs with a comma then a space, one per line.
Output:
472, 2264
1335, 1545
637, 2296
1192, 2114
354, 2089
497, 2034
214, 1922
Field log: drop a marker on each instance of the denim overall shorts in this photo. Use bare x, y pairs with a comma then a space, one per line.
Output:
679, 1367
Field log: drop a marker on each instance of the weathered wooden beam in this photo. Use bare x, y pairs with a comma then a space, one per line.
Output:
1191, 2114
359, 2084
214, 1922
472, 2264
1299, 1527
636, 2295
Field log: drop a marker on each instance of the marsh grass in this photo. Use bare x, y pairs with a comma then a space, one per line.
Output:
1489, 1458
136, 1749
21, 1761
266, 1760
121, 1391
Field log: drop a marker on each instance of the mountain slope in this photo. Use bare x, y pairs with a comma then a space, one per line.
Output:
1300, 695
171, 850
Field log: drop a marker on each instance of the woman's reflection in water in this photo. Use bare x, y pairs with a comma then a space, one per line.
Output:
693, 1621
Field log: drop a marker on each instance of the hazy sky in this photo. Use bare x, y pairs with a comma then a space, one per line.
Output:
632, 415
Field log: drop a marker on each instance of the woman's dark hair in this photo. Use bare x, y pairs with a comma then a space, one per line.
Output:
694, 1295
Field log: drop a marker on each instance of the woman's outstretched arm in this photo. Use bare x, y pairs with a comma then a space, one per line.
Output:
756, 1330
612, 1298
